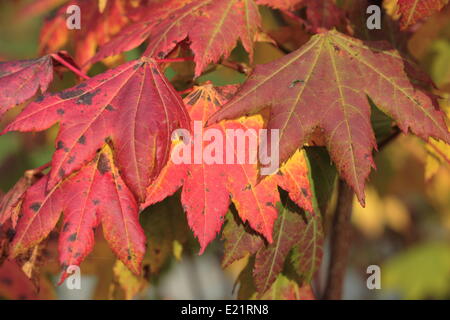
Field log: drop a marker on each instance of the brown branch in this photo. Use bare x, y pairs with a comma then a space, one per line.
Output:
341, 234
340, 242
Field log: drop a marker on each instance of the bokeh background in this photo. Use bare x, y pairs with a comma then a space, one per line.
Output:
405, 227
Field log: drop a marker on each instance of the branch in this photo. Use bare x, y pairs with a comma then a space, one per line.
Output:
340, 242
171, 60
69, 66
341, 234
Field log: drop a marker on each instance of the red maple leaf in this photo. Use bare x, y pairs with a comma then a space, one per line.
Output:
208, 187
133, 106
95, 194
292, 85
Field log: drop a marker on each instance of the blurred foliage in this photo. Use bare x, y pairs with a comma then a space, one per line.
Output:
421, 272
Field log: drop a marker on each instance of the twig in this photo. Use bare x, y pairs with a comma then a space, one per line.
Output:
341, 234
183, 59
39, 169
389, 139
340, 242
69, 66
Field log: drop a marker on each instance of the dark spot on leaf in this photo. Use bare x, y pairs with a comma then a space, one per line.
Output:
35, 206
66, 226
305, 192
61, 172
73, 237
10, 233
86, 98
295, 82
247, 187
6, 281
269, 204
81, 85
39, 98
103, 164
60, 112
76, 255
109, 107
95, 202
71, 159
154, 70
70, 94
82, 140
59, 145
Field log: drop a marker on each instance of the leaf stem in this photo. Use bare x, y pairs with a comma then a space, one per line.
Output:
41, 168
69, 66
182, 59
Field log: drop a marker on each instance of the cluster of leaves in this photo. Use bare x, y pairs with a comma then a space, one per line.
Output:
111, 156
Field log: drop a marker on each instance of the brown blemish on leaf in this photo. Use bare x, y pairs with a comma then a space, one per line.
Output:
66, 226
103, 164
86, 98
70, 94
10, 233
59, 145
35, 206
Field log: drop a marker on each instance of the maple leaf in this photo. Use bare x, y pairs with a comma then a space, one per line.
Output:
412, 11
10, 202
291, 85
292, 231
20, 80
240, 241
207, 187
96, 194
132, 105
213, 28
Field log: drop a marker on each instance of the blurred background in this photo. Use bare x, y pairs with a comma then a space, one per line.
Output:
404, 229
